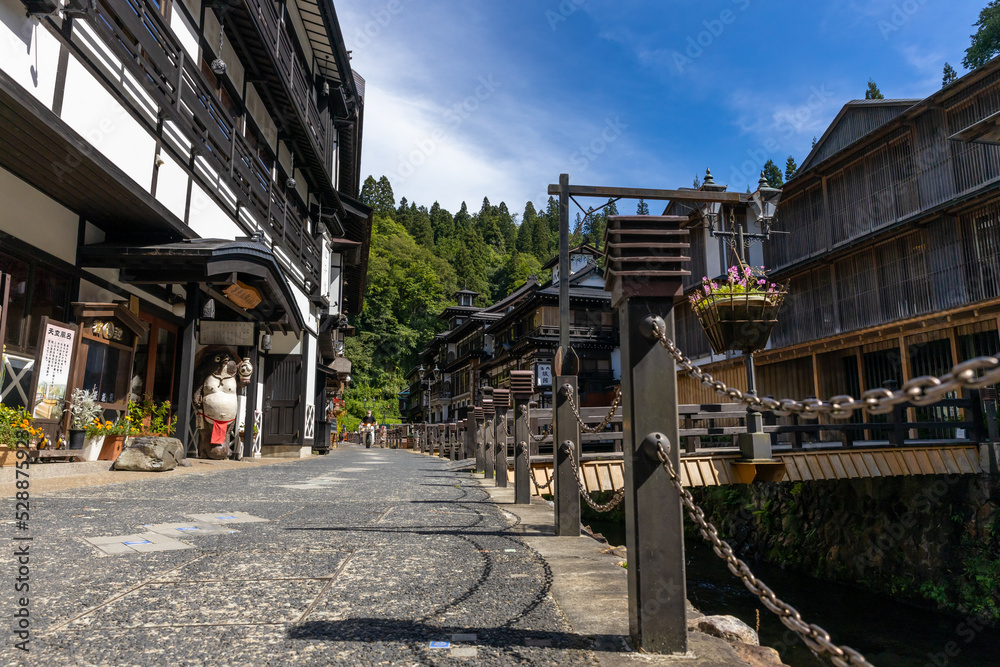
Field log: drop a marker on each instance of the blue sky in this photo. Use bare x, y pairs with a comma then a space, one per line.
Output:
477, 98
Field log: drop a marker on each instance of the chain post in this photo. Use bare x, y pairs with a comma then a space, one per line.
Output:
567, 430
521, 386
501, 402
442, 440
478, 440
654, 533
489, 433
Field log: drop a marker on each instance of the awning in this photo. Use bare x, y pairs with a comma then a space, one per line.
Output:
238, 271
340, 366
986, 131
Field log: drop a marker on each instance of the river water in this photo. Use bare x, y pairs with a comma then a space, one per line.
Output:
888, 633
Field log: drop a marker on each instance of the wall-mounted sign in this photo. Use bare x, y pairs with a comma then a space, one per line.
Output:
107, 330
243, 295
543, 375
211, 332
55, 359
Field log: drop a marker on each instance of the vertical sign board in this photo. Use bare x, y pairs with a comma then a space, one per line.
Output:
54, 360
543, 375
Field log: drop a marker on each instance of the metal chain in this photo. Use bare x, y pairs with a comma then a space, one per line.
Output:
531, 476
815, 637
606, 507
536, 438
924, 390
604, 422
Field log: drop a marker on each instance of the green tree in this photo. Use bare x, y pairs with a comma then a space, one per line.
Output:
541, 239
420, 226
368, 191
986, 41
790, 168
873, 93
442, 223
772, 174
526, 231
642, 208
513, 273
948, 76
506, 225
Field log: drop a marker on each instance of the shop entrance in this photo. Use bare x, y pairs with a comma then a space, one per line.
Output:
153, 370
283, 404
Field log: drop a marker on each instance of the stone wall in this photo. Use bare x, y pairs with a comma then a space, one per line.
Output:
930, 539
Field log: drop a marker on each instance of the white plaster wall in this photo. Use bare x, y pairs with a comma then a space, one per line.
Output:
90, 110
207, 218
282, 343
29, 53
171, 186
186, 33
32, 217
302, 301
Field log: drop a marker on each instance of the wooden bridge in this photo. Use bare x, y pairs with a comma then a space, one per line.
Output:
710, 458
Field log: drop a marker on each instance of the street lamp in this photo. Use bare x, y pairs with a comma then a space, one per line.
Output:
763, 205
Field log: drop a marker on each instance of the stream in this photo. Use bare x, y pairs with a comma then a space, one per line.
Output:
887, 632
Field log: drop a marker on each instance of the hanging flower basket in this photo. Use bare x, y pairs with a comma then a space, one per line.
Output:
739, 313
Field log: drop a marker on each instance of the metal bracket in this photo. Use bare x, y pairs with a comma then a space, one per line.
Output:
566, 446
566, 389
650, 445
650, 325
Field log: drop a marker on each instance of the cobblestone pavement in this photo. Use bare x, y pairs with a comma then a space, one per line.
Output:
366, 557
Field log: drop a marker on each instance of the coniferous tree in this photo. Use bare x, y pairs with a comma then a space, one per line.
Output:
526, 232
948, 76
642, 208
790, 168
462, 219
442, 223
986, 41
368, 191
873, 93
420, 225
506, 225
772, 174
541, 241
697, 182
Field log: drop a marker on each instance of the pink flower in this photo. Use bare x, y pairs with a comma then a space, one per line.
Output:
708, 290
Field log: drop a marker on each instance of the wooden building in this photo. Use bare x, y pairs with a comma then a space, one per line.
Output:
518, 332
200, 161
893, 250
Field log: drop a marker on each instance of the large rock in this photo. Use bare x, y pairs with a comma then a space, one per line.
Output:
725, 627
150, 454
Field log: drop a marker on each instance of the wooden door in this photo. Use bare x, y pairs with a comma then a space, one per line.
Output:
283, 400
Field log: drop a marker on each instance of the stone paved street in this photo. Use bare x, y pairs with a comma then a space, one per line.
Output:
365, 558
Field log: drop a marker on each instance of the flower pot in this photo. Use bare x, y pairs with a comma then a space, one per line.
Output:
76, 438
112, 447
8, 457
92, 447
741, 322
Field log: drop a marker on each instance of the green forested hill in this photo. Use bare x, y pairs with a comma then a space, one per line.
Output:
420, 256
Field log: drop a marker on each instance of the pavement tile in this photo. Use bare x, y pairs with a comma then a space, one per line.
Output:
226, 518
188, 529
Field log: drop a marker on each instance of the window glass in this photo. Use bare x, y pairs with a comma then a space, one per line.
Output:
49, 297
18, 272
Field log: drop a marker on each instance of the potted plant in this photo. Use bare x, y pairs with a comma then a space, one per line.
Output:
738, 314
151, 418
115, 435
84, 409
16, 431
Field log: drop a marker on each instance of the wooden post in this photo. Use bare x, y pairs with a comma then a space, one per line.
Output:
189, 343
643, 289
489, 435
521, 383
501, 401
532, 428
479, 440
565, 443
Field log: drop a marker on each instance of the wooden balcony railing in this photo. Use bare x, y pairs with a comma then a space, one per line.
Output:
294, 76
136, 32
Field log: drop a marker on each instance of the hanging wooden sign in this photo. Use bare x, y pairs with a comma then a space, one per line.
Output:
243, 295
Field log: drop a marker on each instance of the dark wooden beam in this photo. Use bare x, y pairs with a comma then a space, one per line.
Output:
645, 193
